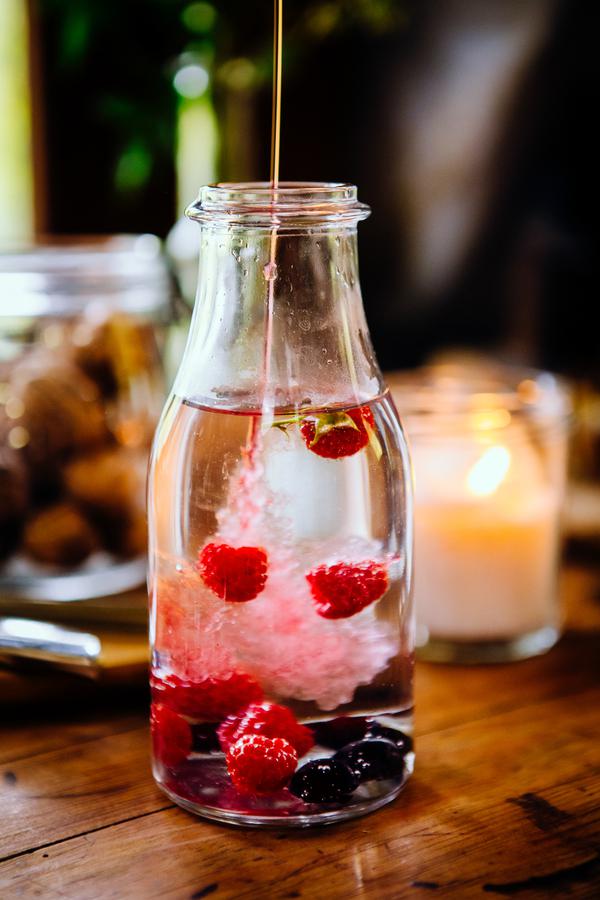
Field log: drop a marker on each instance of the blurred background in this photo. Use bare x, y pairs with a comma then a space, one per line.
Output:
467, 125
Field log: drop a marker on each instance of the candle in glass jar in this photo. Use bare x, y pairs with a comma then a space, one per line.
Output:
488, 445
486, 541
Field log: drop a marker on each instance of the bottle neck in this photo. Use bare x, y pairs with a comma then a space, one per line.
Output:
278, 321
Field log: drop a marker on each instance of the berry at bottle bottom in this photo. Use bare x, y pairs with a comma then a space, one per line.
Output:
324, 788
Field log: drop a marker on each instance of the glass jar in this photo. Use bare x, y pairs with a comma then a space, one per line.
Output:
489, 449
280, 527
81, 389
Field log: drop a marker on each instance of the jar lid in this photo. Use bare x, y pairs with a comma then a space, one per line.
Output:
127, 272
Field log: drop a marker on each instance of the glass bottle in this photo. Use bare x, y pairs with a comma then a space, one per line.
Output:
280, 527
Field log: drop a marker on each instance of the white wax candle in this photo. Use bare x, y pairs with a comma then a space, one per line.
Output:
486, 540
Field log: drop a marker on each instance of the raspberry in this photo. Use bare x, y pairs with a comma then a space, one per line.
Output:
342, 590
211, 699
269, 720
338, 434
261, 765
171, 735
235, 574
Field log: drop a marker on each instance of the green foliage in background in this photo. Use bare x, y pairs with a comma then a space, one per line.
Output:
131, 50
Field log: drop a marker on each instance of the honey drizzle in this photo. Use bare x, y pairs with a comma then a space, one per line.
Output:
275, 140
276, 103
271, 267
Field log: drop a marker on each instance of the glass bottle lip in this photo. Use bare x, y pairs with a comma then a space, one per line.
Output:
292, 203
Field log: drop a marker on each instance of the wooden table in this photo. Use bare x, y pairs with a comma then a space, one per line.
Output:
505, 800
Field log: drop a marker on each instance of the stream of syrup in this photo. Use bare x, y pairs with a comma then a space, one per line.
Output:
275, 142
276, 104
271, 267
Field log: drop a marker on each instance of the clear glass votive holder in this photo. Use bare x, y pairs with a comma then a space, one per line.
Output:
489, 450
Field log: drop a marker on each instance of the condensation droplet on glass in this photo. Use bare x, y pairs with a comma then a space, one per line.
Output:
270, 271
304, 324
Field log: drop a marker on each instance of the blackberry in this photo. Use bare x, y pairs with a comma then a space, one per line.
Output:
323, 781
372, 759
403, 742
336, 733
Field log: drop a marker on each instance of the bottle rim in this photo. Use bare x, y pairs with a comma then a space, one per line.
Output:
260, 204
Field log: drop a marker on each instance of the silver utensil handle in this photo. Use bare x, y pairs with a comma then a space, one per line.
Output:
33, 639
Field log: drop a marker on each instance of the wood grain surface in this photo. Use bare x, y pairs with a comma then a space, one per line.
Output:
505, 800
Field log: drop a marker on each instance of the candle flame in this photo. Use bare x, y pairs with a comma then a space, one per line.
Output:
488, 473
490, 419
